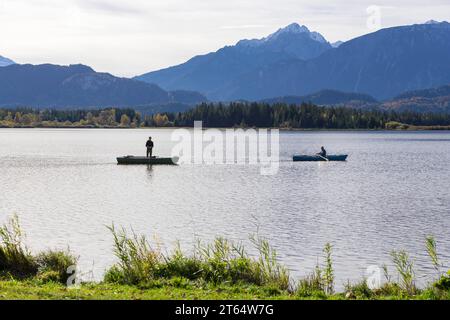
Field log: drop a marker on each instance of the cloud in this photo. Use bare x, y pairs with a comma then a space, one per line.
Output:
133, 37
245, 26
108, 6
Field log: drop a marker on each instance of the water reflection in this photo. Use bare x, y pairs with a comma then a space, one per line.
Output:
150, 171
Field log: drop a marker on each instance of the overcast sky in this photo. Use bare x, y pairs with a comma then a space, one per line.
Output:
133, 37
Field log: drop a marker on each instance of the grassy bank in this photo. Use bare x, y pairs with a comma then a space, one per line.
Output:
166, 290
217, 270
37, 290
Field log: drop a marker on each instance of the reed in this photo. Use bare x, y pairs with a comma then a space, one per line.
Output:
215, 265
431, 246
405, 268
15, 258
17, 262
218, 262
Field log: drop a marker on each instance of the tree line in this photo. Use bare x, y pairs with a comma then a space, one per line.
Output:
27, 117
219, 115
305, 116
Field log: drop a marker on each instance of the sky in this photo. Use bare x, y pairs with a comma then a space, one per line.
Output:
128, 38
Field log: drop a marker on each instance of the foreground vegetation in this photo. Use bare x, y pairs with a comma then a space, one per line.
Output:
262, 115
164, 290
174, 290
219, 270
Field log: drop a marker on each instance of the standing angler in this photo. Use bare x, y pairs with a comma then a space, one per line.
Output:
149, 146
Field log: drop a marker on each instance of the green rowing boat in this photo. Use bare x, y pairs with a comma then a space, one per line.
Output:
145, 160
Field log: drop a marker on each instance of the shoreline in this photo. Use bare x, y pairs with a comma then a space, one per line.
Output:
411, 129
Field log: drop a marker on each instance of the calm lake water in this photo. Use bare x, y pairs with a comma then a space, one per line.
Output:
394, 190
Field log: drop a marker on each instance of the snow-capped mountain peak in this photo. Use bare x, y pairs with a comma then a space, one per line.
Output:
295, 28
292, 29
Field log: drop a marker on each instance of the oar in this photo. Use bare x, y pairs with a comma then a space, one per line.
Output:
326, 159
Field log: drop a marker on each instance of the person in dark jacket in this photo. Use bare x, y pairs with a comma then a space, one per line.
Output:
149, 146
323, 153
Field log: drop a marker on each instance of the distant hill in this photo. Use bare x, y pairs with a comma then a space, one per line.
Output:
75, 86
211, 72
327, 97
5, 62
443, 91
297, 62
434, 100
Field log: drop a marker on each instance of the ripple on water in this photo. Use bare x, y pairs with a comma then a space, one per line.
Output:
392, 192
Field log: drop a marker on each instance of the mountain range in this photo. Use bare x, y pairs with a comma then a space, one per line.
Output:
295, 62
212, 72
391, 69
76, 86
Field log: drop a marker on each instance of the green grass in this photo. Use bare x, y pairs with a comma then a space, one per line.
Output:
169, 290
172, 290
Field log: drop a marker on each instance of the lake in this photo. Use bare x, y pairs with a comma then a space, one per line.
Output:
393, 191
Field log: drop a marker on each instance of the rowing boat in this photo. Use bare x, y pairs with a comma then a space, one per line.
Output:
341, 157
145, 160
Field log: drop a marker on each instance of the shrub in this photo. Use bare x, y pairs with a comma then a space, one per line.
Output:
114, 275
359, 290
270, 270
312, 285
218, 262
443, 283
180, 265
138, 261
57, 262
223, 261
321, 281
15, 258
390, 289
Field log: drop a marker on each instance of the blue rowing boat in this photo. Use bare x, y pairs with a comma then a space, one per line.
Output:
341, 157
